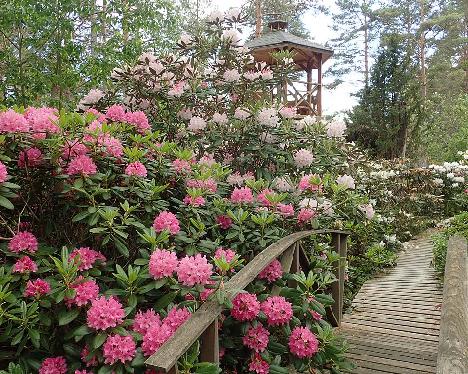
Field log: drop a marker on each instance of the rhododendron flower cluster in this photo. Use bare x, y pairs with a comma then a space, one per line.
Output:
162, 263
155, 337
346, 181
227, 254
208, 184
303, 343
181, 166
11, 122
36, 288
259, 365
24, 264
305, 215
224, 221
336, 129
136, 169
89, 361
82, 165
277, 309
242, 195
310, 182
368, 210
286, 210
245, 307
272, 272
144, 320
32, 157
23, 241
303, 158
85, 292
3, 172
196, 124
264, 195
118, 348
166, 221
53, 365
194, 270
176, 317
86, 257
105, 313
195, 201
256, 338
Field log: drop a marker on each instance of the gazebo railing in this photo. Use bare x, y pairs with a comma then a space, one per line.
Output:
203, 324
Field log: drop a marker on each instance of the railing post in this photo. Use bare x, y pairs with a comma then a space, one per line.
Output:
209, 350
174, 370
339, 244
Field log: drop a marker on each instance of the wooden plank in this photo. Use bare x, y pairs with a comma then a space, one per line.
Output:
416, 336
209, 344
427, 306
387, 353
453, 343
389, 309
410, 322
396, 327
386, 366
395, 363
396, 316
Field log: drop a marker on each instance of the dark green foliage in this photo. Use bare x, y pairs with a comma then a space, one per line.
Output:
389, 108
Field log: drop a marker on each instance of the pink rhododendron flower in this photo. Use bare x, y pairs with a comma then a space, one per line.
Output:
194, 201
311, 182
303, 158
194, 270
220, 118
162, 263
256, 338
31, 157
112, 145
42, 121
259, 365
268, 117
144, 320
85, 292
242, 195
278, 310
251, 75
73, 148
196, 124
10, 122
166, 221
303, 343
83, 165
208, 184
241, 114
136, 169
36, 288
263, 197
178, 89
91, 361
207, 291
3, 172
116, 113
336, 129
224, 221
53, 365
368, 210
245, 307
105, 313
140, 121
185, 113
227, 254
315, 315
154, 338
24, 264
272, 272
286, 210
99, 116
86, 257
118, 348
235, 179
176, 317
288, 112
84, 371
180, 166
346, 181
207, 160
305, 215
231, 75
23, 241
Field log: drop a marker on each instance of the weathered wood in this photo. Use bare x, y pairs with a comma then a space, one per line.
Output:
167, 355
453, 343
339, 243
209, 344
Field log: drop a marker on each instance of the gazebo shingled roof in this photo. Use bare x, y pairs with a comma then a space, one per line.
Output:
279, 39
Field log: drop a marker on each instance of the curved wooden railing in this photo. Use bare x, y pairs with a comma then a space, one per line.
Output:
452, 356
203, 324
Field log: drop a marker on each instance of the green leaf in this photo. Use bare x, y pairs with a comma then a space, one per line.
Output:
121, 247
165, 300
66, 316
99, 340
6, 203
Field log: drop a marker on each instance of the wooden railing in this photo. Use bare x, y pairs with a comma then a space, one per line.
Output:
452, 356
203, 324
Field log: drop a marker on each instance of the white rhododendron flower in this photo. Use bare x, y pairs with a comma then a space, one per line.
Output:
303, 158
196, 124
346, 181
336, 129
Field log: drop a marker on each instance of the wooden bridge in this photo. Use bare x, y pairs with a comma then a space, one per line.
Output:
402, 323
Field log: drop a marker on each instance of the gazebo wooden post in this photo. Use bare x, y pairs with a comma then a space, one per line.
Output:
319, 86
309, 82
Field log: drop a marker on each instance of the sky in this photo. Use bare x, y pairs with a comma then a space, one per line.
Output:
333, 101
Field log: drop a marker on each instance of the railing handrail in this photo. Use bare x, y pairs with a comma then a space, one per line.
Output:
165, 358
452, 357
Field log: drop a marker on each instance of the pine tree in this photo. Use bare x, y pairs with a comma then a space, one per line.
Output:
389, 107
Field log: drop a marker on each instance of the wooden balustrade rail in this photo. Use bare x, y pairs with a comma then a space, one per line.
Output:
203, 324
452, 356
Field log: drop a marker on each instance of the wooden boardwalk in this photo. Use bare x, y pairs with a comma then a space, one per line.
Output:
395, 323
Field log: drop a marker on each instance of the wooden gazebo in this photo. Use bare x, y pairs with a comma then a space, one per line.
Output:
308, 57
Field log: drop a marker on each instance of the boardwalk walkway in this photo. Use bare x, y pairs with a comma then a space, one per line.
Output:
394, 327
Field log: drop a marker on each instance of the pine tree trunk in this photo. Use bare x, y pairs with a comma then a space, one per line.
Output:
103, 21
258, 18
366, 51
422, 52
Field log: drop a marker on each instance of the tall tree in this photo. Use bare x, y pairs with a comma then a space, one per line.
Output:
355, 26
389, 107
